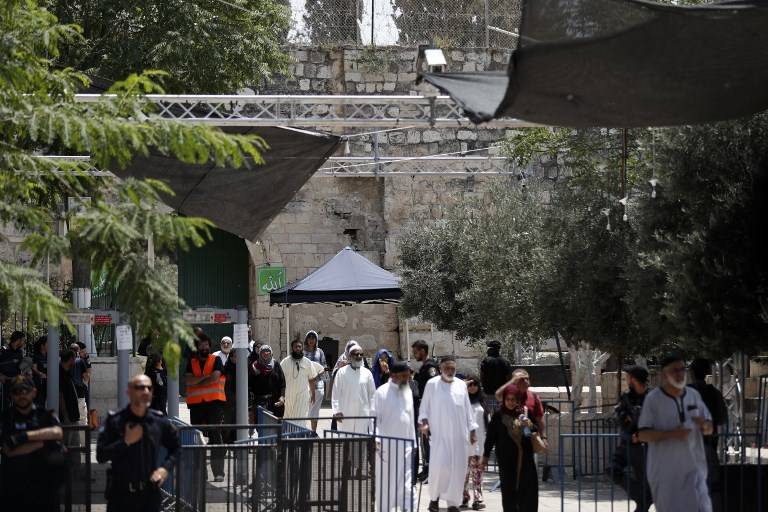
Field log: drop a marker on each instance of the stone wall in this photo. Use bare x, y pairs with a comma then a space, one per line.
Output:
368, 213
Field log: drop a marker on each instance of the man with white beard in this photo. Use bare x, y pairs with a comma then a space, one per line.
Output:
353, 389
447, 415
392, 406
672, 422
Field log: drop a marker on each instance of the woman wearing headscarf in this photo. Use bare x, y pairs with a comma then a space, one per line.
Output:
316, 355
510, 433
381, 364
266, 381
474, 479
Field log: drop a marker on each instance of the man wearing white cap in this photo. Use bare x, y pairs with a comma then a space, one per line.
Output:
226, 347
353, 389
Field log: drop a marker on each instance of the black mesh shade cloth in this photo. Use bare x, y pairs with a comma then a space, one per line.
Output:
623, 63
347, 278
241, 201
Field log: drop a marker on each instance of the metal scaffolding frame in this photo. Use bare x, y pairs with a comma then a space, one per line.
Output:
357, 167
313, 111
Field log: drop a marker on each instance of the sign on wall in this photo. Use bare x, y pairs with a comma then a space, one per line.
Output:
271, 278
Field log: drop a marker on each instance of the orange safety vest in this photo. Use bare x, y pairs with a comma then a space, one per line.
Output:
200, 393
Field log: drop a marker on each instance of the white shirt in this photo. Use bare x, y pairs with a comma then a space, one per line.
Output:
297, 373
393, 409
353, 389
221, 355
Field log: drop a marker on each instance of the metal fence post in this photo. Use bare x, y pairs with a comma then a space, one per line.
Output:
52, 384
173, 390
487, 23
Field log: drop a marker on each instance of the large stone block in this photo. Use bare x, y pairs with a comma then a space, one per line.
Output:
431, 136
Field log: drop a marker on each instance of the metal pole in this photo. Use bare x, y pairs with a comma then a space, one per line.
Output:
373, 15
122, 378
287, 329
241, 375
52, 385
562, 366
408, 340
487, 23
269, 325
173, 390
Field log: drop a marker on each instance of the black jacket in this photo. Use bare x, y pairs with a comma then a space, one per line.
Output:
134, 464
627, 411
495, 371
428, 370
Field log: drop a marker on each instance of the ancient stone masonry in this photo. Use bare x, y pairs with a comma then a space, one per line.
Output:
368, 213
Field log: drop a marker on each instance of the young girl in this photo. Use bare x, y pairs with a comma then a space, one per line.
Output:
474, 478
510, 433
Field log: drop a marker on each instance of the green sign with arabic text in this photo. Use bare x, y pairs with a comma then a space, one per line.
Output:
270, 279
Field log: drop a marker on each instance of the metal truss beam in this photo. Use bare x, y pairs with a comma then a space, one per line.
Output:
370, 167
357, 167
314, 111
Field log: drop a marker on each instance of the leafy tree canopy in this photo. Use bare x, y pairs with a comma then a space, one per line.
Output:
40, 116
206, 46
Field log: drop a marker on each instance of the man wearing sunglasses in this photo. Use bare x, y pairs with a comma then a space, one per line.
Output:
131, 439
29, 439
673, 421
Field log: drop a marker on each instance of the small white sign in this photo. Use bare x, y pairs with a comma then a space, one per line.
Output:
240, 336
80, 318
198, 317
124, 337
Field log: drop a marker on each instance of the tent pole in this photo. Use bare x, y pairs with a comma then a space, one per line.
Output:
287, 329
407, 340
432, 337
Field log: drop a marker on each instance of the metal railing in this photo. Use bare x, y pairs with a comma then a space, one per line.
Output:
76, 491
737, 480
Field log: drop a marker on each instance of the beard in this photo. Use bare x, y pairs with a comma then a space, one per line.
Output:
297, 355
447, 378
356, 363
680, 384
204, 353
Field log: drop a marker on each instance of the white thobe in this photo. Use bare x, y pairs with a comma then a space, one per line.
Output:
677, 469
393, 409
297, 373
446, 406
353, 389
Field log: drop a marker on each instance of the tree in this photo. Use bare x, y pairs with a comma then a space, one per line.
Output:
475, 271
207, 46
703, 237
40, 115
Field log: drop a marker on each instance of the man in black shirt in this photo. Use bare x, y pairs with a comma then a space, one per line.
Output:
131, 441
32, 461
715, 402
630, 455
429, 368
10, 363
494, 372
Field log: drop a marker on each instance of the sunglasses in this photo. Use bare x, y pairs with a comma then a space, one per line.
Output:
142, 387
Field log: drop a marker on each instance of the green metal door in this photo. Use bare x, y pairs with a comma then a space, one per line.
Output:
215, 275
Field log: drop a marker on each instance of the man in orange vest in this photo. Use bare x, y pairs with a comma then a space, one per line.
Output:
206, 399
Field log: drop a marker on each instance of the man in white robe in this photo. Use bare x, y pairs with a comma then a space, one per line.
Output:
392, 406
300, 379
353, 389
447, 415
672, 422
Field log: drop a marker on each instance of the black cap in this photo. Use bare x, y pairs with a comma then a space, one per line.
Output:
671, 358
399, 367
446, 359
638, 372
493, 344
22, 383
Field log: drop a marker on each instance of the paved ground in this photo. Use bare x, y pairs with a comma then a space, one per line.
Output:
608, 498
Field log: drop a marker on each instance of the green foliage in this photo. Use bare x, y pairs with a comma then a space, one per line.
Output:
475, 271
206, 46
687, 270
39, 115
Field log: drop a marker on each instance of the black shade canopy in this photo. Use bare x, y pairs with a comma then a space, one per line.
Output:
347, 278
241, 201
624, 63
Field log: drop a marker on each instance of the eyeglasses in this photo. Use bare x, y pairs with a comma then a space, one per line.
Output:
142, 387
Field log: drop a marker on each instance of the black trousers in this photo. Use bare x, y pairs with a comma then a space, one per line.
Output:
211, 413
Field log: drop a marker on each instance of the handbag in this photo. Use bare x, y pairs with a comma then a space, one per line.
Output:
539, 444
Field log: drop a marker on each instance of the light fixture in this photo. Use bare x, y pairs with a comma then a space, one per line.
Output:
435, 59
653, 182
623, 201
607, 213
